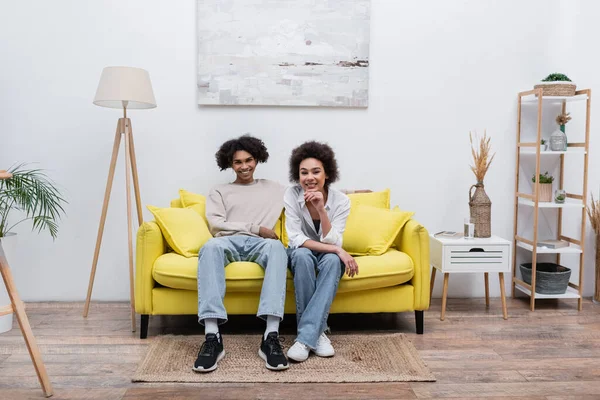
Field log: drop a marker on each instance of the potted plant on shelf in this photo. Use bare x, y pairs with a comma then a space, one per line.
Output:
545, 187
558, 139
30, 196
543, 145
556, 84
560, 196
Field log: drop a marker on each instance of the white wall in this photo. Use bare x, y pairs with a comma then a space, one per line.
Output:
439, 69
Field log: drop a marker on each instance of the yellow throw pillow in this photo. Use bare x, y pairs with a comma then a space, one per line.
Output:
176, 203
371, 230
374, 199
195, 201
183, 228
283, 236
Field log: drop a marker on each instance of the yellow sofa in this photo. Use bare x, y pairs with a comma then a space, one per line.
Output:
396, 281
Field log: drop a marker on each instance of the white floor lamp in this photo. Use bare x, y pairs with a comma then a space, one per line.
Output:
123, 88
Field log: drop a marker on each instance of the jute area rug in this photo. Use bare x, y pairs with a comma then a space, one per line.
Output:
358, 358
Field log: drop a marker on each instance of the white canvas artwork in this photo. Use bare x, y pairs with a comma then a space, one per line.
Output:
283, 52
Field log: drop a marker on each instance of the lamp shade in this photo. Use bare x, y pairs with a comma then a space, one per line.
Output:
119, 84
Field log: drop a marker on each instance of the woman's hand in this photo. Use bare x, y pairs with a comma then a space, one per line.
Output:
349, 262
316, 199
267, 233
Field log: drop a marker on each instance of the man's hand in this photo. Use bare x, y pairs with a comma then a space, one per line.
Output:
316, 198
267, 233
349, 262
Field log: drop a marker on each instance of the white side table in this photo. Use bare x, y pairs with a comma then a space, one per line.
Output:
462, 255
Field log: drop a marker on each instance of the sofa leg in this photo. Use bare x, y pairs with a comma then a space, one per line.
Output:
419, 322
144, 326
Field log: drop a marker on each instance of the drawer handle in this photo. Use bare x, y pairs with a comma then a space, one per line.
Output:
476, 250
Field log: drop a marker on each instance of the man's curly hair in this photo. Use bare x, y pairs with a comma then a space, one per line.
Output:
322, 152
252, 145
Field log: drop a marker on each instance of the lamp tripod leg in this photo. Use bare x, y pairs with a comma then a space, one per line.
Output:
129, 227
111, 175
136, 183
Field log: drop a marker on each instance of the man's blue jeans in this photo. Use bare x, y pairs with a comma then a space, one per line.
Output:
218, 252
316, 278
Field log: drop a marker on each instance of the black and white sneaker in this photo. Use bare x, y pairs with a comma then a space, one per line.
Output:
271, 351
210, 353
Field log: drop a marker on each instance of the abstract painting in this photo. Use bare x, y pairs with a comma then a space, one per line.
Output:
283, 52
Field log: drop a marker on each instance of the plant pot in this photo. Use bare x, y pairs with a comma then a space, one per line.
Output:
545, 192
8, 244
560, 196
550, 278
557, 88
543, 147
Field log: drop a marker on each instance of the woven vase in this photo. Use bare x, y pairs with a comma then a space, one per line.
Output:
480, 207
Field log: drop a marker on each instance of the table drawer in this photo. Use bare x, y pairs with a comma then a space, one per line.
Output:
487, 258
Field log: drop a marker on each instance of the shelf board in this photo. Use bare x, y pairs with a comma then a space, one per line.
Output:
569, 203
532, 151
569, 294
572, 249
533, 99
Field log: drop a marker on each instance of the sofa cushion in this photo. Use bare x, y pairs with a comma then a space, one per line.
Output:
177, 272
373, 199
183, 228
196, 202
389, 269
371, 230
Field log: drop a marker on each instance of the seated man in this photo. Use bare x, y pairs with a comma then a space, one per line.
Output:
241, 216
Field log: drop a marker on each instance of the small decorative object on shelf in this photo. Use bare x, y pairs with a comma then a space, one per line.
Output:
480, 205
593, 211
545, 186
559, 196
556, 85
543, 145
558, 139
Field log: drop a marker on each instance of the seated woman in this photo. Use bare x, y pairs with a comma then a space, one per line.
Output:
315, 219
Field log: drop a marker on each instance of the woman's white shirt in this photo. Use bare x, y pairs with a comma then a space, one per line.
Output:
299, 224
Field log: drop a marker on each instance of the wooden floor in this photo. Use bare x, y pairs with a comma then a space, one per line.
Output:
552, 353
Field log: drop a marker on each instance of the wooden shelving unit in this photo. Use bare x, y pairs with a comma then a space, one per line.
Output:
574, 200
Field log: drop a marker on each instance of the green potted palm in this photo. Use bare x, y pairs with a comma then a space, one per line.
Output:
29, 195
556, 84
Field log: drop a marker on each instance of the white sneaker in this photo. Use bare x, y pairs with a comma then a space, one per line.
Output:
298, 352
324, 347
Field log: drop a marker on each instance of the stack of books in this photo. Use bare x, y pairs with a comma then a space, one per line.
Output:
553, 244
448, 234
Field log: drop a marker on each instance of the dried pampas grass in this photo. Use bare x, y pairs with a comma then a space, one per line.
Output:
563, 118
481, 156
593, 211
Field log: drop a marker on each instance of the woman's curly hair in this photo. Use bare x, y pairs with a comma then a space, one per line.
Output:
322, 152
248, 143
